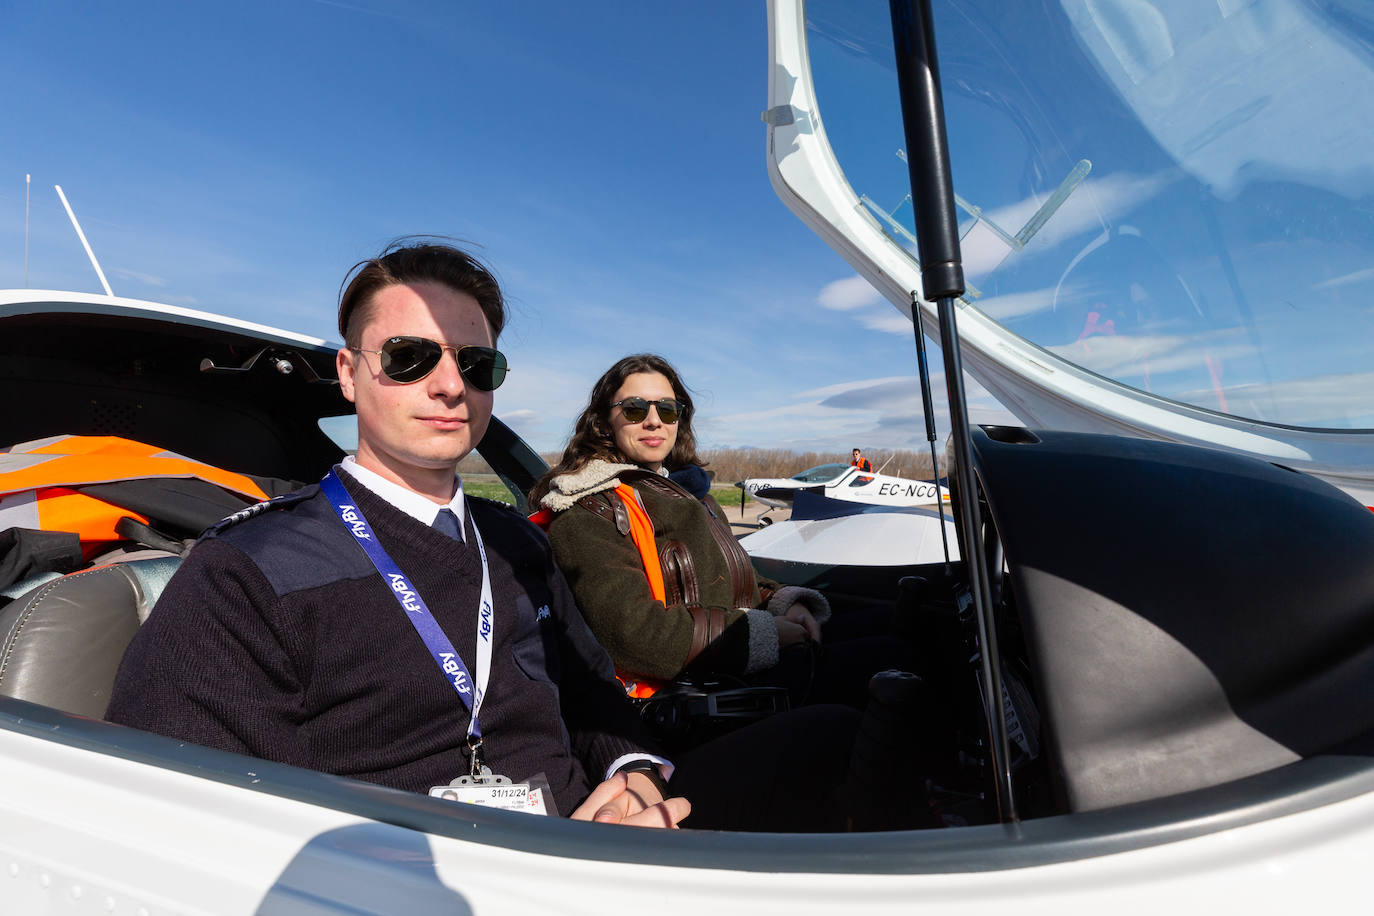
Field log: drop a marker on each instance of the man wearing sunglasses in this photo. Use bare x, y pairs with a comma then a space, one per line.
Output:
381, 626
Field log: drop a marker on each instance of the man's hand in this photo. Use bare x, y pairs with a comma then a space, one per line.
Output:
798, 614
632, 799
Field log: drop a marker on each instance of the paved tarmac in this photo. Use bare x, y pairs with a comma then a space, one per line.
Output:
749, 521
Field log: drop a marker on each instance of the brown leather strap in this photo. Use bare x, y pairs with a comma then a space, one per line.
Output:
598, 505
607, 506
652, 481
707, 625
742, 579
679, 574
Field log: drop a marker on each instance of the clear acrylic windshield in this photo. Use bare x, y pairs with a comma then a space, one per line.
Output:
821, 473
1175, 194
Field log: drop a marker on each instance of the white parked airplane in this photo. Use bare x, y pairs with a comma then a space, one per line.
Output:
842, 481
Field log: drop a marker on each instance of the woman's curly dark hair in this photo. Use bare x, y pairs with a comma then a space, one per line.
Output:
593, 437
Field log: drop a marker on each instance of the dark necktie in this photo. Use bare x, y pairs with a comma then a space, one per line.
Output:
447, 522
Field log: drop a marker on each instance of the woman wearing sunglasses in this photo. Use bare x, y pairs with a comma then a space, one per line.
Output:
617, 515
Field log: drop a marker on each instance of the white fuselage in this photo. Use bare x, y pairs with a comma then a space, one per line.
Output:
849, 484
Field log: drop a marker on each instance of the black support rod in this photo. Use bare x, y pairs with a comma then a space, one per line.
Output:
942, 282
928, 405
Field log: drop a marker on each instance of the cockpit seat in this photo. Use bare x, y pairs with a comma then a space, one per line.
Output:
63, 641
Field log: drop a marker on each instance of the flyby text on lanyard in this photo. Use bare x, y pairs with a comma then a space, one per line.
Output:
417, 612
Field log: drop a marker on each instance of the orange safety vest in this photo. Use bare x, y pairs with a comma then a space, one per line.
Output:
37, 480
642, 533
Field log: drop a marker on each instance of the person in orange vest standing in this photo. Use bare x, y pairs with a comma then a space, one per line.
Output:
860, 462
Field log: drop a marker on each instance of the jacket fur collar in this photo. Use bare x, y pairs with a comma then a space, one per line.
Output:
598, 476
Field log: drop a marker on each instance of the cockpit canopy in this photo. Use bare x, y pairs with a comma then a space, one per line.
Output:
821, 473
1165, 208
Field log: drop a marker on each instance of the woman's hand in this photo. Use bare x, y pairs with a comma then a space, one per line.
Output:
790, 633
798, 614
633, 800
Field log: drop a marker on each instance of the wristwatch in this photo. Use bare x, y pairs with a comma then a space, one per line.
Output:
649, 769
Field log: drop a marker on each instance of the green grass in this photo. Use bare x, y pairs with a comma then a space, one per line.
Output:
728, 495
488, 489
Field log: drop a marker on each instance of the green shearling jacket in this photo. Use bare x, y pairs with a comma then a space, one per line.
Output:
713, 620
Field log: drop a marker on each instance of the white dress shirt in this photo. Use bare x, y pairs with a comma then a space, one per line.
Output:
421, 508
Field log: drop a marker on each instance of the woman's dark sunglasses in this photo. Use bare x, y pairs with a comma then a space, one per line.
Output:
636, 409
409, 359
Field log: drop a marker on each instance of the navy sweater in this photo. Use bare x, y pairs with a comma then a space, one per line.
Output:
277, 638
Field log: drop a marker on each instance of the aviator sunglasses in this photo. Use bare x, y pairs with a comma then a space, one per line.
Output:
409, 359
636, 409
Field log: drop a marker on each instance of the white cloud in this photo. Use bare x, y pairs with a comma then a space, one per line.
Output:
849, 294
842, 387
886, 395
541, 400
1338, 401
1014, 305
145, 279
887, 322
855, 294
881, 413
1143, 355
1358, 276
982, 250
521, 420
1095, 204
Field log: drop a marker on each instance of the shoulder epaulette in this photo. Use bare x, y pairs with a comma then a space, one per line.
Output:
267, 505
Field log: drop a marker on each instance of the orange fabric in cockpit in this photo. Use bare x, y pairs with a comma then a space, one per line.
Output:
81, 460
93, 520
39, 483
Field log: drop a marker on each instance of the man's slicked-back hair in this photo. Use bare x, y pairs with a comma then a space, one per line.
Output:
417, 260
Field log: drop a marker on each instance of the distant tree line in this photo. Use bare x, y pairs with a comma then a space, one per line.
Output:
728, 465
731, 464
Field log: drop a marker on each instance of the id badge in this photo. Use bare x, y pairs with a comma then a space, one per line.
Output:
492, 792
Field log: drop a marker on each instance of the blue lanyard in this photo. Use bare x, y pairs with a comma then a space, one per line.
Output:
417, 612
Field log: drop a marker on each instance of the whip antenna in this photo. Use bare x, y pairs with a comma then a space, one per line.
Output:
28, 181
85, 244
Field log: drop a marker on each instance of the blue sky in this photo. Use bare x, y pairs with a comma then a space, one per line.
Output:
607, 157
